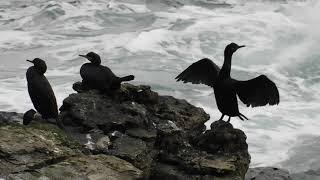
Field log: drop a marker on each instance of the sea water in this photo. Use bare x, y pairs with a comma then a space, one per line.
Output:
157, 39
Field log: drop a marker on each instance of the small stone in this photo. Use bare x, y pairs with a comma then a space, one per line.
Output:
103, 143
28, 116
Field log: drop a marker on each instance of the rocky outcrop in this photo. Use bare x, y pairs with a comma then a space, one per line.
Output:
131, 134
43, 151
95, 167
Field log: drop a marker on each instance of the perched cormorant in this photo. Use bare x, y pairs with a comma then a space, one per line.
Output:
96, 76
40, 91
258, 91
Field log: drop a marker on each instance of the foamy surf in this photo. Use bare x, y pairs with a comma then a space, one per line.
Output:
155, 40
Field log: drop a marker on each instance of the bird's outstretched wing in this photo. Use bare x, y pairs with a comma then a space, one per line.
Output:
203, 71
258, 91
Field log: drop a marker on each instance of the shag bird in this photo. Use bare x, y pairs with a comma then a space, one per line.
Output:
258, 91
40, 91
96, 76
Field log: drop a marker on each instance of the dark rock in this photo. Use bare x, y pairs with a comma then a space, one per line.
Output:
10, 117
171, 172
141, 94
183, 114
220, 125
79, 87
268, 173
29, 147
92, 110
83, 168
28, 116
147, 135
133, 150
128, 92
43, 151
225, 141
153, 131
160, 135
200, 160
223, 138
94, 140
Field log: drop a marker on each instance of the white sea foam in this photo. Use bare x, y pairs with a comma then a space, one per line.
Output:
157, 40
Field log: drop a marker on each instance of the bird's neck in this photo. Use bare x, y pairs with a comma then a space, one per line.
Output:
33, 73
226, 67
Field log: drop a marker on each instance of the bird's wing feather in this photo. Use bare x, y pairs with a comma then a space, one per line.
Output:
258, 91
43, 97
203, 71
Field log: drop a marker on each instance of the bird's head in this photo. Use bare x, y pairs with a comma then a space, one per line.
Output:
94, 58
39, 64
231, 48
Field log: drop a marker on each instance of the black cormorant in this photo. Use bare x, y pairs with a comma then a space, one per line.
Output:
96, 76
40, 91
258, 91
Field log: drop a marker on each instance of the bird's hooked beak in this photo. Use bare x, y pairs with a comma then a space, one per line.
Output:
241, 46
85, 56
29, 61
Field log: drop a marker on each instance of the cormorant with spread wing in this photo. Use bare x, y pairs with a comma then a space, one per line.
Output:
258, 91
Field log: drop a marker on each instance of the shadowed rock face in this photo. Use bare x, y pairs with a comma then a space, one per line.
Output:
159, 134
132, 133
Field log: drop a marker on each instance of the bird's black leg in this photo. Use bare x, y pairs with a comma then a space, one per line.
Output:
229, 119
241, 118
221, 117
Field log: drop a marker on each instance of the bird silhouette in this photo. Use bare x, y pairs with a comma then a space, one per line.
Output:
96, 76
255, 92
40, 91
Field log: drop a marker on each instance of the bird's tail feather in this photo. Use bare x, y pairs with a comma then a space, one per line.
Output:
127, 78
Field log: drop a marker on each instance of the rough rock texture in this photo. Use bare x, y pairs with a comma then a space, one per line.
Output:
267, 173
132, 133
95, 167
23, 148
43, 151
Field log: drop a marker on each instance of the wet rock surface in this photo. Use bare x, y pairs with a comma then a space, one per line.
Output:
132, 133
